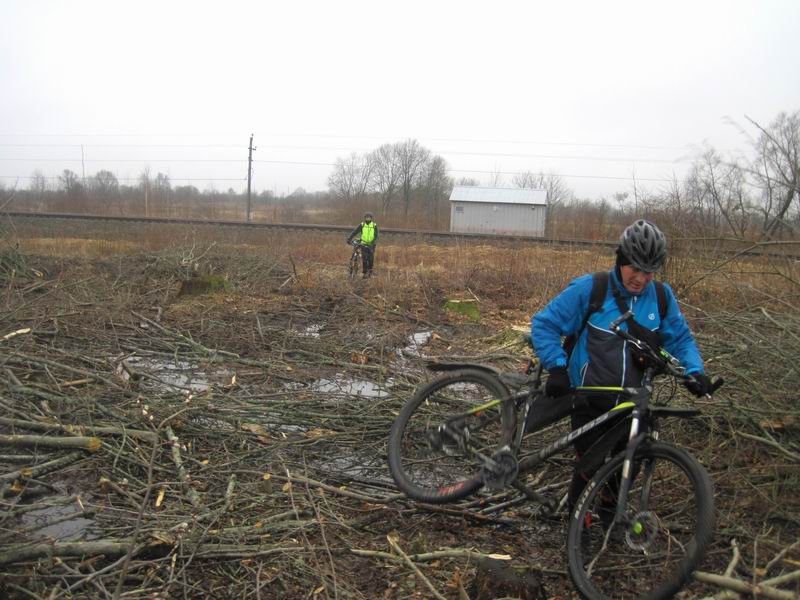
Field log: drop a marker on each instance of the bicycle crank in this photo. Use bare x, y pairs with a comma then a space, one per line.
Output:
502, 471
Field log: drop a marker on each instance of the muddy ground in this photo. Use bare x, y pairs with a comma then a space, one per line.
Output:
232, 444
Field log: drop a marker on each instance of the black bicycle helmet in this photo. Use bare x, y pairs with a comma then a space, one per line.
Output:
368, 215
644, 246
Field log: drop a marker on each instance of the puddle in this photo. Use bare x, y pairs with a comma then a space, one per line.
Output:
78, 528
171, 375
348, 387
413, 349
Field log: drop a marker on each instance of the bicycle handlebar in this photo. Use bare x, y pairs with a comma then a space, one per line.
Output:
614, 325
662, 358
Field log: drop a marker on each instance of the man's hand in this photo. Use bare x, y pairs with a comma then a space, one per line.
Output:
699, 385
558, 383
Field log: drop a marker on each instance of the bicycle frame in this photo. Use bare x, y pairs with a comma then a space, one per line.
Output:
635, 404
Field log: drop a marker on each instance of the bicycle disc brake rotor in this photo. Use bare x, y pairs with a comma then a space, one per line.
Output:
642, 531
502, 473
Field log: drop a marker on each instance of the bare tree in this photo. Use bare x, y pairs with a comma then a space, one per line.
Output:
468, 182
777, 170
105, 187
385, 174
411, 158
162, 189
724, 184
436, 186
70, 183
351, 177
496, 178
557, 190
38, 185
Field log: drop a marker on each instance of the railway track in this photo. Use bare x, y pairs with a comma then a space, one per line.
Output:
714, 245
444, 235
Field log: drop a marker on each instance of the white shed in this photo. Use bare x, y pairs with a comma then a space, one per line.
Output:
500, 211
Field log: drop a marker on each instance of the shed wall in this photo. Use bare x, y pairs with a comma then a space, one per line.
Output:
500, 219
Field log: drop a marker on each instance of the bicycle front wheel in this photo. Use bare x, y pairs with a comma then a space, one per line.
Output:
352, 267
670, 521
430, 466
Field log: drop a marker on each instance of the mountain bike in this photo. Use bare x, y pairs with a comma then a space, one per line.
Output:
645, 518
353, 266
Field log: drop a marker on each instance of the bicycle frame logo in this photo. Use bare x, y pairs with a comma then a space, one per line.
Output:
570, 437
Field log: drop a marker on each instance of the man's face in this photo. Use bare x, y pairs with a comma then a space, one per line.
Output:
633, 279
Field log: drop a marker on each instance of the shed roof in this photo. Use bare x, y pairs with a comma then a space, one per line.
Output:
468, 193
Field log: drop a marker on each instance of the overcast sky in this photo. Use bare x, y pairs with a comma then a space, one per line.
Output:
594, 91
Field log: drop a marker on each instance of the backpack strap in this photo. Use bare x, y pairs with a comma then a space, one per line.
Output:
596, 300
661, 295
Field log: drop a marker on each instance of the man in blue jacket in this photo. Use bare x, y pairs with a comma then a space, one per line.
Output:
598, 356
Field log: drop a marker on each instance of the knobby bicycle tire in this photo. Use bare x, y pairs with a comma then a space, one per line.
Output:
672, 499
352, 266
428, 473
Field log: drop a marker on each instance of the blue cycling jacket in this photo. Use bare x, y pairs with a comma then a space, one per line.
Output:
600, 357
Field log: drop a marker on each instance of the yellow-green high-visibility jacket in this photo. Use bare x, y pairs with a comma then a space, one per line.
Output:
368, 232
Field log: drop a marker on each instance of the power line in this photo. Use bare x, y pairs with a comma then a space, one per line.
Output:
139, 160
451, 170
361, 137
120, 145
350, 149
131, 178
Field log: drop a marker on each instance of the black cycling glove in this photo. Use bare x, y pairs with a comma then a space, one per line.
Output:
700, 385
558, 383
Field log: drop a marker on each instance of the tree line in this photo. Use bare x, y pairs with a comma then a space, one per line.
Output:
751, 196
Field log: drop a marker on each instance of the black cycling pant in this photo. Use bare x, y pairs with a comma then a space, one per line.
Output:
368, 257
594, 407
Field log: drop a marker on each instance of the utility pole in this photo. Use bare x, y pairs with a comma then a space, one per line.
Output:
249, 175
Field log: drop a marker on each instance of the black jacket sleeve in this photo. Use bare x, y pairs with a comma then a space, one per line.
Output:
356, 231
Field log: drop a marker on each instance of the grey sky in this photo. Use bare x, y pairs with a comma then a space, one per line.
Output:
589, 90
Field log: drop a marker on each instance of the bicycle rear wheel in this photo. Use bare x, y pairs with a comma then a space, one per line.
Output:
432, 467
671, 510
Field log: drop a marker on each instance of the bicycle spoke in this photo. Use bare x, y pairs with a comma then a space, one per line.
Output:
443, 444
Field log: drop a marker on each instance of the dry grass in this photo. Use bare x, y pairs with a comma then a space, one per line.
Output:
513, 275
84, 315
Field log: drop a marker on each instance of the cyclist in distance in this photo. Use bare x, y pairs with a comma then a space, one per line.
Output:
592, 355
368, 230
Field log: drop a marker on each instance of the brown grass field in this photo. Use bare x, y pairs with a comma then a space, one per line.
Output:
277, 485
